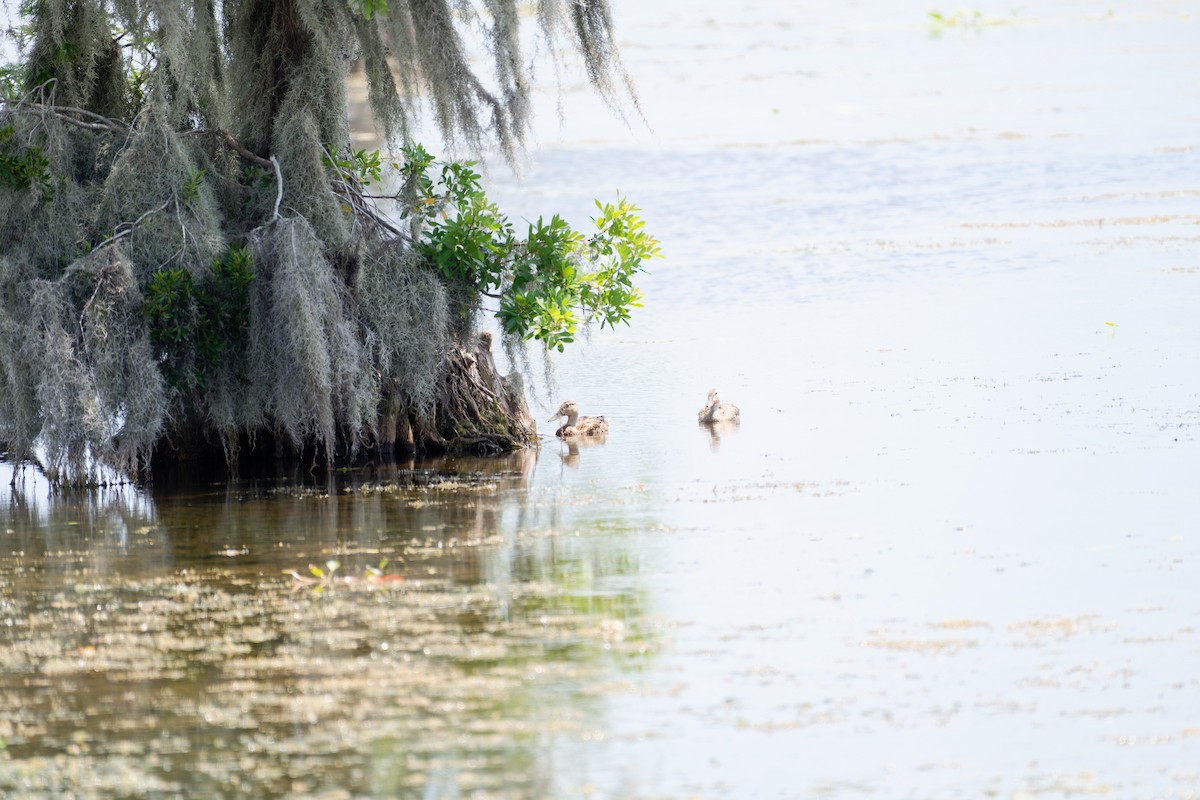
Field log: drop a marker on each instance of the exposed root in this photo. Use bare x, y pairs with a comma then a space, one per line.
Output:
476, 409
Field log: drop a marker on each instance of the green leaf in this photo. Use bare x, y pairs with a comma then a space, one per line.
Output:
371, 8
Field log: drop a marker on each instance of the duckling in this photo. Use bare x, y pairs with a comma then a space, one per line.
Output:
577, 425
718, 410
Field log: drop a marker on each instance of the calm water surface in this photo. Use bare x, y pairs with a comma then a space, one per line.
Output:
948, 271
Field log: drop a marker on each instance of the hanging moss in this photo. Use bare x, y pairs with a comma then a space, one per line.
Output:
44, 222
20, 414
85, 357
156, 197
310, 369
150, 139
405, 315
75, 55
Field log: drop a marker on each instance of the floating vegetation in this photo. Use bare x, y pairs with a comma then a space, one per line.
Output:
270, 641
964, 20
197, 681
322, 578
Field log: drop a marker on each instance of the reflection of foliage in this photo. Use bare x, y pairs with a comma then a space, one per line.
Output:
486, 653
319, 579
417, 682
72, 532
962, 20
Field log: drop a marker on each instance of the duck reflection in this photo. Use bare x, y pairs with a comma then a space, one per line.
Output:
569, 452
716, 430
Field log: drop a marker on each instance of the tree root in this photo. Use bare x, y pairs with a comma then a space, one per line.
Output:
477, 410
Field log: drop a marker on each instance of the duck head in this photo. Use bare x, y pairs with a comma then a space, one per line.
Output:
568, 409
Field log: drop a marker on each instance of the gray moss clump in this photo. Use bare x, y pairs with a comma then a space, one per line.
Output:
80, 377
155, 196
309, 364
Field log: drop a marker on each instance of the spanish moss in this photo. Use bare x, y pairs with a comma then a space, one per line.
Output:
192, 263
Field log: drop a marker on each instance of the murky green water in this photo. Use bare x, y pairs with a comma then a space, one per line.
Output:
949, 273
451, 639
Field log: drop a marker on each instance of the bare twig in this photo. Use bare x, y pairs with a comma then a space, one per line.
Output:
97, 123
87, 305
278, 186
127, 227
357, 203
350, 189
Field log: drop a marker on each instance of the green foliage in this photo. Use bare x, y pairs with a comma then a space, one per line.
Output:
21, 168
371, 8
547, 284
192, 324
363, 166
222, 302
190, 191
467, 238
417, 161
170, 310
12, 78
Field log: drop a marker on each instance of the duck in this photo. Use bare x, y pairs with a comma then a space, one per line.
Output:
718, 411
577, 425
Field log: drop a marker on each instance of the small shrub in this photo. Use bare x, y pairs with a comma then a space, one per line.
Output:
192, 324
21, 168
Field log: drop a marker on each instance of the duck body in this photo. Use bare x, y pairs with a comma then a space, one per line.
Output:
718, 411
577, 425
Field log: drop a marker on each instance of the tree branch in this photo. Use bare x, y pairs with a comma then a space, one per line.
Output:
233, 144
226, 138
106, 124
98, 123
356, 201
129, 226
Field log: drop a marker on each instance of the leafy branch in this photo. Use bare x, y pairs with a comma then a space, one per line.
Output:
549, 283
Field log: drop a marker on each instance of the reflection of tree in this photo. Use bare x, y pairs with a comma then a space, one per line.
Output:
73, 531
214, 671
